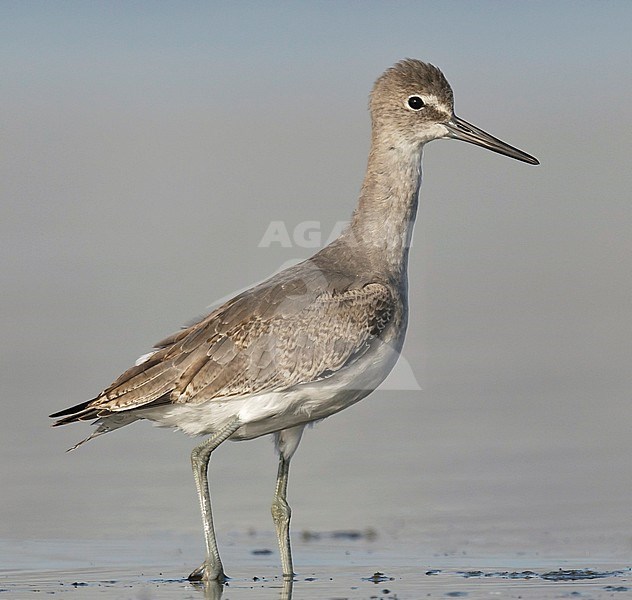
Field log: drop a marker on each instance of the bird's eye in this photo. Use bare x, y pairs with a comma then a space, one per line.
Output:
416, 103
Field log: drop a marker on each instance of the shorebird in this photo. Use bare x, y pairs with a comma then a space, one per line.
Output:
312, 339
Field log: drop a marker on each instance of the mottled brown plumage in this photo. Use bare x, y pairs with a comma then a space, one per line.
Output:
298, 327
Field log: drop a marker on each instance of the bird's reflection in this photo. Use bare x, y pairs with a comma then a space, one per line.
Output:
286, 591
213, 590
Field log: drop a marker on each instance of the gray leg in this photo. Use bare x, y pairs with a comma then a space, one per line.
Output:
281, 514
287, 442
211, 569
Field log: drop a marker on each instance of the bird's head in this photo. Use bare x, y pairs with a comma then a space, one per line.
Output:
412, 103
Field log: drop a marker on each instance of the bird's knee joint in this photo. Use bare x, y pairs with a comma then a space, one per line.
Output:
195, 459
281, 511
200, 457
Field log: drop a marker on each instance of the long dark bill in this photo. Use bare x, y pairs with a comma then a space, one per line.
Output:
460, 129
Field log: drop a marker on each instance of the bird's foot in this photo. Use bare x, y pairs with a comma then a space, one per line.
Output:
208, 571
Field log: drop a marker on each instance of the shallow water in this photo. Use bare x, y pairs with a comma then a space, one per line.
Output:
333, 565
447, 495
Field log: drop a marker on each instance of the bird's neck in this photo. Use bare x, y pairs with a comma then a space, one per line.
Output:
381, 228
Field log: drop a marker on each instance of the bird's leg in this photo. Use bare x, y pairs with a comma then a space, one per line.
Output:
281, 513
211, 569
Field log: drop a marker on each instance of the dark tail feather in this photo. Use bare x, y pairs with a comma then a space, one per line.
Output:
79, 412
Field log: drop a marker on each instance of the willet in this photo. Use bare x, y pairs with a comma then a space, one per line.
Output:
313, 339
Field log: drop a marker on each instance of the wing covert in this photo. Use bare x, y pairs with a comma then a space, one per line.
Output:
268, 340
261, 355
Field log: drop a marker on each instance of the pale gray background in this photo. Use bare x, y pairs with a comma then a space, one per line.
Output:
147, 146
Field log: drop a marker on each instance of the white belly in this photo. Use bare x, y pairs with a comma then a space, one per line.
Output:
267, 413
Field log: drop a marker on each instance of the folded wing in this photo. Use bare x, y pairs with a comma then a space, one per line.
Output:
284, 332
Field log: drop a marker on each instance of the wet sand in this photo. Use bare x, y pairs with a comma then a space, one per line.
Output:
341, 564
499, 498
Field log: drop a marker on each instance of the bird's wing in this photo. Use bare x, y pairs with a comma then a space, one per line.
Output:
279, 334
